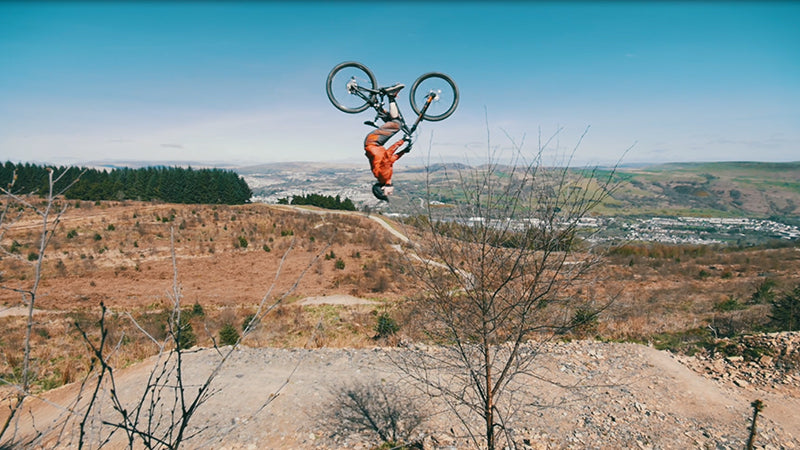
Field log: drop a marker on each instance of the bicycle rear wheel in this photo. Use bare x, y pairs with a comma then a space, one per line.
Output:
342, 81
445, 97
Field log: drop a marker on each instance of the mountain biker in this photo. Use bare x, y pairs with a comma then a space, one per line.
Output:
381, 159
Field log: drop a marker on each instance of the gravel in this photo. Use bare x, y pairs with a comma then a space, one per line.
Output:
627, 396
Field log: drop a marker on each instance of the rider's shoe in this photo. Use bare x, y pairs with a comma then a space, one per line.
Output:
393, 90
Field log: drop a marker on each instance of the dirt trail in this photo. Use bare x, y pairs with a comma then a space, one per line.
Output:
381, 221
6, 311
642, 398
707, 395
338, 299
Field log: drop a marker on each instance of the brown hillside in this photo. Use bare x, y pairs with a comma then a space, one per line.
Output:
119, 254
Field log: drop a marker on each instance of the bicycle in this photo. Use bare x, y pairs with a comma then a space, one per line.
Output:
352, 88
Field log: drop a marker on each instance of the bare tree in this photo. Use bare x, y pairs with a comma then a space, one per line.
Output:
501, 271
160, 416
49, 211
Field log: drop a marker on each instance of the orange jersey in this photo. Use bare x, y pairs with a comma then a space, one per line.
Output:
382, 159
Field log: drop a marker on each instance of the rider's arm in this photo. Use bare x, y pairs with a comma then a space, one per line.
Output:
394, 146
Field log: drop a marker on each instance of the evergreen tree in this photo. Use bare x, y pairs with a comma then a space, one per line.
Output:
167, 184
322, 201
786, 311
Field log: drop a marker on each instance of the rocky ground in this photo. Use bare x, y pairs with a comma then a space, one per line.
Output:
764, 362
629, 396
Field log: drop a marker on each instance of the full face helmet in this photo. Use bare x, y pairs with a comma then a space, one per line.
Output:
378, 192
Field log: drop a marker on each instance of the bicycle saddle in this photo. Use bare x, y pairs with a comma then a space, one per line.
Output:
393, 90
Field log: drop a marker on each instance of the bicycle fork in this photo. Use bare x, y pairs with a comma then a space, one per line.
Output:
428, 101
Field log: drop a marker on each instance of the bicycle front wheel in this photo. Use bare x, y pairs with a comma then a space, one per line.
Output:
444, 96
343, 86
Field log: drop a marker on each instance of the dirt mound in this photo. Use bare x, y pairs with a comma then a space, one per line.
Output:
630, 396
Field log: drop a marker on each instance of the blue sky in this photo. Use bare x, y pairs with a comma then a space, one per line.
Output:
243, 83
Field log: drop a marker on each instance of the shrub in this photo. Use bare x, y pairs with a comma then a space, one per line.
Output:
242, 242
111, 227
584, 321
228, 335
72, 233
386, 326
786, 311
97, 237
764, 292
382, 283
184, 335
731, 304
339, 264
266, 248
33, 256
197, 310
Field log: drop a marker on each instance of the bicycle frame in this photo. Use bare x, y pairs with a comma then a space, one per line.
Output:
376, 100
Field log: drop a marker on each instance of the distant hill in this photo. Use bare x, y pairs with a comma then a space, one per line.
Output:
721, 189
708, 189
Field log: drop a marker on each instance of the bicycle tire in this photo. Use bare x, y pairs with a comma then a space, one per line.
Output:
447, 94
336, 86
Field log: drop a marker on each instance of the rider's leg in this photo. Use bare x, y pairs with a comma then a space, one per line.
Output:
394, 112
382, 134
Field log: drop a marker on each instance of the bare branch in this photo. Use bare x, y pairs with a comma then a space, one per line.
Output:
516, 233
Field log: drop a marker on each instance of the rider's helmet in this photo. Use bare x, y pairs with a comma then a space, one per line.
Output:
379, 191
